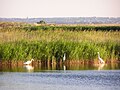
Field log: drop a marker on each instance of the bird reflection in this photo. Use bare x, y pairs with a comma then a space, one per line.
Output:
100, 66
29, 68
64, 67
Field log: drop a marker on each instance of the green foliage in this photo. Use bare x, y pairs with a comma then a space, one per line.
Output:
49, 50
41, 22
75, 28
26, 26
21, 42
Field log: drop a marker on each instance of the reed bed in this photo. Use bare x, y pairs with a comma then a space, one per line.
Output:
54, 50
22, 43
90, 36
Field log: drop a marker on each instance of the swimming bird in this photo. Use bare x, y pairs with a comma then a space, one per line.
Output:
100, 59
28, 62
64, 57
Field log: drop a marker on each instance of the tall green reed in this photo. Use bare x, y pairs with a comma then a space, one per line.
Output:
22, 42
43, 50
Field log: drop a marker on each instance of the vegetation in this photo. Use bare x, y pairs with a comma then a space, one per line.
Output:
41, 22
51, 42
74, 28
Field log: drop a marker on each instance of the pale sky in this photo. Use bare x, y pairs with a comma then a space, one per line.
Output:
59, 8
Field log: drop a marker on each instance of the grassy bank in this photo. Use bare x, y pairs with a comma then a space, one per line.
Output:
51, 42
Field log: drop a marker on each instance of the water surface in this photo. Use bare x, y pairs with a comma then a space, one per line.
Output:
61, 80
60, 77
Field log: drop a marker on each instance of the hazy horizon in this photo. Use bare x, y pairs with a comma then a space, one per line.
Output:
58, 17
59, 8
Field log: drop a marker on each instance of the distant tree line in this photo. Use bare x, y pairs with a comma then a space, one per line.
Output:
41, 22
74, 28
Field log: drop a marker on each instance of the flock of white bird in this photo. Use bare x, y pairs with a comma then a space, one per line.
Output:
101, 61
64, 58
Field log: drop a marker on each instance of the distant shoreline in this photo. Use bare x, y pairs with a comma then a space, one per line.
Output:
67, 20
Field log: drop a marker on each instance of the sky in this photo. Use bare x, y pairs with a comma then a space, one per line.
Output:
59, 8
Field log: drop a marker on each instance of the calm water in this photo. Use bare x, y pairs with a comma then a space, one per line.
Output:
63, 77
61, 80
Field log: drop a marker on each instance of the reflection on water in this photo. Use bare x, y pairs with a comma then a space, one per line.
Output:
29, 68
42, 76
64, 67
41, 67
100, 67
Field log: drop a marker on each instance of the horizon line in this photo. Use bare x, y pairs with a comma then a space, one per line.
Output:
66, 17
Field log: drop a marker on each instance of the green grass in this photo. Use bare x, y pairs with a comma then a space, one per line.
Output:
51, 42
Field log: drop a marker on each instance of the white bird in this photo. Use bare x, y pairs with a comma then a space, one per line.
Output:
64, 57
28, 62
100, 59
